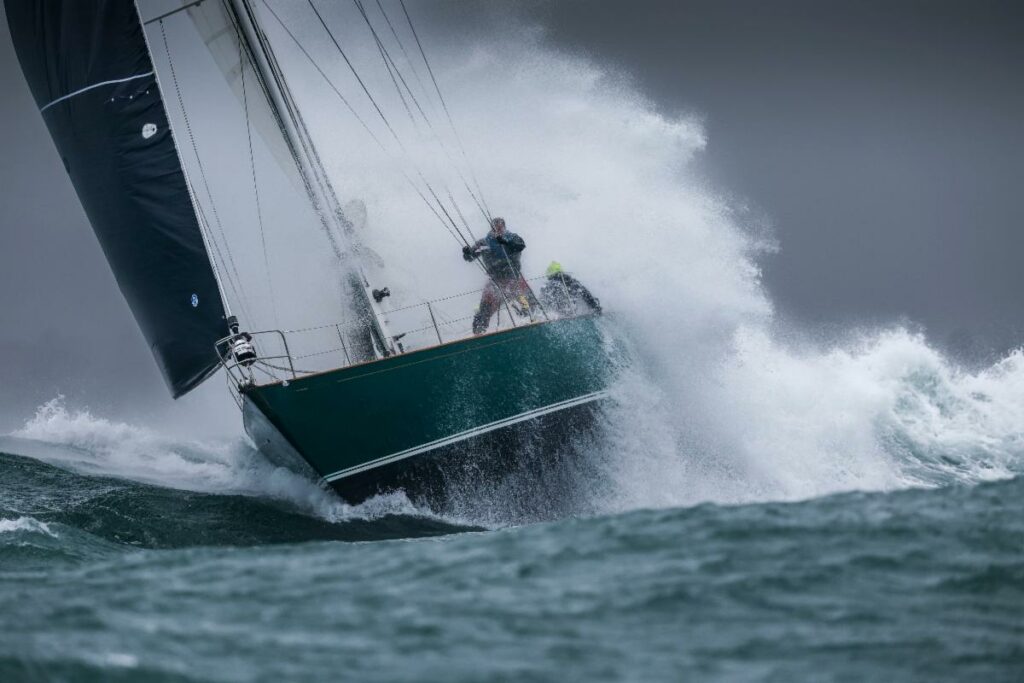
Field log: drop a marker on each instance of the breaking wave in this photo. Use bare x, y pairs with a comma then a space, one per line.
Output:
885, 411
97, 446
26, 525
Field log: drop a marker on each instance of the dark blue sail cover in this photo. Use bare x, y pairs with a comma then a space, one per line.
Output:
90, 72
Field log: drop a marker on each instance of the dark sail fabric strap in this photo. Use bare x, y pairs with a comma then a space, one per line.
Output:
93, 87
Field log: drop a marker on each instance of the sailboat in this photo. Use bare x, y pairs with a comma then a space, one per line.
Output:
405, 398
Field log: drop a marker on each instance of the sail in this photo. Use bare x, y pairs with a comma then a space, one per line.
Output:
90, 72
216, 29
276, 227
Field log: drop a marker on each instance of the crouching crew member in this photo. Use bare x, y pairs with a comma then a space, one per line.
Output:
562, 293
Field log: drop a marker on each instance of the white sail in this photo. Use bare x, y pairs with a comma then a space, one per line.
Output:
282, 268
217, 31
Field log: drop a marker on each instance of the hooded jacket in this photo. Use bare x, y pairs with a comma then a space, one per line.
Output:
501, 260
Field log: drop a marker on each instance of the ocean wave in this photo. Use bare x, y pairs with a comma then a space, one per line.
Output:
882, 411
26, 525
98, 446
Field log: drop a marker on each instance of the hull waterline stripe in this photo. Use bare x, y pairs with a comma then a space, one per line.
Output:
93, 87
462, 436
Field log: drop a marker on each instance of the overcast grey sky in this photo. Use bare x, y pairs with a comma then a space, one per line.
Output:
883, 140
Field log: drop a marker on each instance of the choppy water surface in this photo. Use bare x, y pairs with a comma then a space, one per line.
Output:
109, 578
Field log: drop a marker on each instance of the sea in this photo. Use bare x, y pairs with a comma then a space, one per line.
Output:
128, 555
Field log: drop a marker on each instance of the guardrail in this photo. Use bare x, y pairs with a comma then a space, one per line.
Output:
285, 355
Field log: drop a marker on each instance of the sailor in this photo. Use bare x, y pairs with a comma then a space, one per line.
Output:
500, 252
561, 292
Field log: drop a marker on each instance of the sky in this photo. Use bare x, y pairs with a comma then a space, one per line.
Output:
882, 142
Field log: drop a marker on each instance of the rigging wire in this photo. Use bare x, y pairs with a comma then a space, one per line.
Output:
401, 45
236, 283
453, 230
303, 144
393, 70
481, 203
390, 63
362, 122
327, 80
465, 223
351, 109
355, 73
387, 57
255, 185
444, 105
430, 71
376, 106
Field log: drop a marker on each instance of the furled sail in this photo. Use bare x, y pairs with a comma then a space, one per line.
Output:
90, 72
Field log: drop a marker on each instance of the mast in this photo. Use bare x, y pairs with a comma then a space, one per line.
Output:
315, 177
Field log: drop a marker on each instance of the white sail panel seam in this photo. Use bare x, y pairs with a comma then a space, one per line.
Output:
462, 436
93, 87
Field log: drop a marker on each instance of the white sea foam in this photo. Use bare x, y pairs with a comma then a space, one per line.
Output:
25, 524
881, 412
95, 445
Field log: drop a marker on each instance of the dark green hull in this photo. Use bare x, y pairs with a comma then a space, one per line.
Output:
430, 420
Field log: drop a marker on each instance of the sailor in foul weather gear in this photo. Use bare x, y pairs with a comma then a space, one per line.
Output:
562, 292
500, 252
